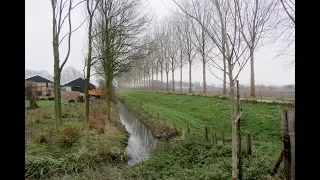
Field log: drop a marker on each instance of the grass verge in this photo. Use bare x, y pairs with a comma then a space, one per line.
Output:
72, 151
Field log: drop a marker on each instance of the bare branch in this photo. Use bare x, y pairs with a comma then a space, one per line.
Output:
284, 7
69, 39
70, 32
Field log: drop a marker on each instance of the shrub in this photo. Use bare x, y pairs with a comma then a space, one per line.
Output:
42, 137
69, 135
216, 96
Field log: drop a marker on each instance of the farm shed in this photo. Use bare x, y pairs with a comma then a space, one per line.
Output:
44, 86
71, 87
75, 84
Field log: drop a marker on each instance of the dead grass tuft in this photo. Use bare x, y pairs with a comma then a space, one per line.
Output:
97, 126
69, 135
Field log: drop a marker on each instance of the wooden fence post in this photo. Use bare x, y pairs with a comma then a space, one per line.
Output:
291, 126
213, 138
286, 144
222, 136
248, 143
288, 123
207, 129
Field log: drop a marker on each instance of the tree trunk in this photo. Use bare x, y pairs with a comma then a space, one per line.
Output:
252, 84
181, 78
157, 79
190, 83
144, 80
161, 78
56, 73
234, 128
57, 98
33, 103
57, 92
108, 91
167, 81
239, 135
134, 83
149, 84
204, 62
224, 90
172, 79
181, 70
86, 99
87, 80
204, 74
152, 79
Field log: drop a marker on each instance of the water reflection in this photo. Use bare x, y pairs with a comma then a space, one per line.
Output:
141, 140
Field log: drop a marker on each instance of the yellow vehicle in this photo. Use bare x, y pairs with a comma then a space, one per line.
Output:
97, 93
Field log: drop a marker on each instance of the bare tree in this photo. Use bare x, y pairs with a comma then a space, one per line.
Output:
255, 16
200, 39
187, 45
91, 7
160, 54
171, 46
285, 31
167, 66
59, 17
289, 8
71, 72
181, 40
226, 35
118, 23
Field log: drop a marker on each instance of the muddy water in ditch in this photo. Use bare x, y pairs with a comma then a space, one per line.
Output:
141, 140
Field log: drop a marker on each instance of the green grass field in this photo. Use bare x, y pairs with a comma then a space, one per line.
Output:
189, 156
194, 157
263, 121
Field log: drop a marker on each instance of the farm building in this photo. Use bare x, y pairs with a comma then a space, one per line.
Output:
75, 84
71, 87
43, 85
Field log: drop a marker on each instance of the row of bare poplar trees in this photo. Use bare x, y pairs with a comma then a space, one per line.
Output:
194, 33
221, 34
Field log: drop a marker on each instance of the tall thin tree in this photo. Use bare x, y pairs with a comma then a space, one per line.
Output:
58, 20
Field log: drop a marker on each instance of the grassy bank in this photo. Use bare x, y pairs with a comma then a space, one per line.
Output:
194, 157
263, 121
160, 129
71, 152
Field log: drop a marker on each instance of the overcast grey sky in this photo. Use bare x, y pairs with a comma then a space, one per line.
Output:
39, 55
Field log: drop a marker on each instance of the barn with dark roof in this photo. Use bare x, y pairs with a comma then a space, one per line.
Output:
45, 84
75, 84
